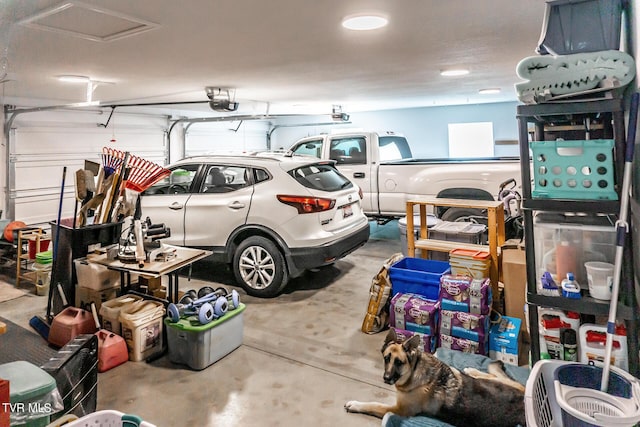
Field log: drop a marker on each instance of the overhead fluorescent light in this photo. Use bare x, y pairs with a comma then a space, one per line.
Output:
91, 84
74, 79
489, 91
364, 22
454, 72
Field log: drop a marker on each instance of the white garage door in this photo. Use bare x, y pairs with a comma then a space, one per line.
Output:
42, 144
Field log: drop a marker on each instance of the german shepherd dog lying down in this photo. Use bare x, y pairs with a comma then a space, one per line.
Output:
427, 386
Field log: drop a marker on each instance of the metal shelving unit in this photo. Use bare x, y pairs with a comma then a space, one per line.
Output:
550, 120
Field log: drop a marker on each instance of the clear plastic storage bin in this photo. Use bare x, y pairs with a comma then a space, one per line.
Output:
564, 243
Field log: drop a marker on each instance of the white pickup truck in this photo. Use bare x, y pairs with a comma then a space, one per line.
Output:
384, 168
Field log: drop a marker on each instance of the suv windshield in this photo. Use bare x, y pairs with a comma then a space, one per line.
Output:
320, 177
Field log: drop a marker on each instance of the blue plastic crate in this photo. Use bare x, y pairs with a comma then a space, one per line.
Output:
418, 276
582, 170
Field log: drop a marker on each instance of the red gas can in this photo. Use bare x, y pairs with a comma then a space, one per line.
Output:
112, 350
68, 324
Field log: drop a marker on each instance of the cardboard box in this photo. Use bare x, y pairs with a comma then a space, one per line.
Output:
427, 344
464, 345
414, 313
86, 296
504, 340
459, 324
464, 293
152, 283
514, 277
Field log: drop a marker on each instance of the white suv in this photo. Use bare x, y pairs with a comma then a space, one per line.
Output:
269, 216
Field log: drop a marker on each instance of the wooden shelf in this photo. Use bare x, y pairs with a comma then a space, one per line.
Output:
448, 246
22, 256
495, 226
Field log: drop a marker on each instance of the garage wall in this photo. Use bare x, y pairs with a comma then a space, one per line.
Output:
225, 137
425, 128
41, 144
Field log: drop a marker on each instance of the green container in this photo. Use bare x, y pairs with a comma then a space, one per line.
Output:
574, 170
28, 387
45, 257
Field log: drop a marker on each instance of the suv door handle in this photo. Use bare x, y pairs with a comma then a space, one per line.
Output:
358, 174
236, 205
176, 206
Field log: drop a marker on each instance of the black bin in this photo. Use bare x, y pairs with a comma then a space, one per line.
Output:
74, 243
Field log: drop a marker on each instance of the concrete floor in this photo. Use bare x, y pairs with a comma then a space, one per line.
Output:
303, 354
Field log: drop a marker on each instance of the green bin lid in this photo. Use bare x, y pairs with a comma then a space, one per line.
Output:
26, 381
191, 323
45, 257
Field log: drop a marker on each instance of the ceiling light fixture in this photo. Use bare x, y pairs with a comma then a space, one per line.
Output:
454, 72
74, 79
91, 84
489, 91
364, 22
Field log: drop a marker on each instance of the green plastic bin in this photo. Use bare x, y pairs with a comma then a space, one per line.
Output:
33, 394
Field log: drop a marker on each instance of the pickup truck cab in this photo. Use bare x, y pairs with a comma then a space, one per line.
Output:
383, 166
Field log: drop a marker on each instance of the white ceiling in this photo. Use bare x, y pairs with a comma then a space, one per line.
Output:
284, 55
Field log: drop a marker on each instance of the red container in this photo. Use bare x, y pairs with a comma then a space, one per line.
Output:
69, 323
33, 246
112, 350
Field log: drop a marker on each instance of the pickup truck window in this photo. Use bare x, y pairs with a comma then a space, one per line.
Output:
310, 148
393, 148
348, 151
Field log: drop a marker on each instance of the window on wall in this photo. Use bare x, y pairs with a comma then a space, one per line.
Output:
468, 140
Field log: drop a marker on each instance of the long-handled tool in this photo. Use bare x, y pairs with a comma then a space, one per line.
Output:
36, 322
622, 228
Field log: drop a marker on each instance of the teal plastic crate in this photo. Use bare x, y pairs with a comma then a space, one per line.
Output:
582, 170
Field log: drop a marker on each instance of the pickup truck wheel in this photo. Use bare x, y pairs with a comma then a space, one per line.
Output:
259, 267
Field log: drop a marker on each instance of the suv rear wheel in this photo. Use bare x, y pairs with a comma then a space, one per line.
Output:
259, 267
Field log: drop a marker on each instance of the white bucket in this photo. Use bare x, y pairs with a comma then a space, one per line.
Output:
110, 312
43, 277
141, 324
600, 277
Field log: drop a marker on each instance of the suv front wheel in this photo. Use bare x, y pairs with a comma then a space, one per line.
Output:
259, 267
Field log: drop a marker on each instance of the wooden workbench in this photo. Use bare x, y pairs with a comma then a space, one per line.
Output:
184, 257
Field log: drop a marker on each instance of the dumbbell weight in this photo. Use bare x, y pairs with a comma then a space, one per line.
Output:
232, 298
207, 308
204, 291
206, 311
188, 297
175, 311
210, 311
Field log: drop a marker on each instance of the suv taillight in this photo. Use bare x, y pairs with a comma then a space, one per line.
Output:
307, 204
